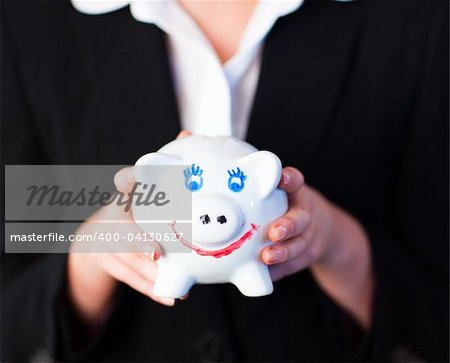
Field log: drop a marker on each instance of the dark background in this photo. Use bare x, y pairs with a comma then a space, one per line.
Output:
354, 94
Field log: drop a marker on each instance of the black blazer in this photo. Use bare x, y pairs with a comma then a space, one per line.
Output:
354, 94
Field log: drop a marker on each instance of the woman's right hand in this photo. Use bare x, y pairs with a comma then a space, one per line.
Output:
93, 276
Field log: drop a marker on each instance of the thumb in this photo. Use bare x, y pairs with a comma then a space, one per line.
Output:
124, 179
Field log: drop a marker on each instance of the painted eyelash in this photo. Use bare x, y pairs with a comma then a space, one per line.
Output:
239, 174
189, 173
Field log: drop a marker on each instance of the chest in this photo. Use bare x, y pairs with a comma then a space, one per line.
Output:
323, 103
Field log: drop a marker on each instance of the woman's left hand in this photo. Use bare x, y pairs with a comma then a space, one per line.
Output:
315, 233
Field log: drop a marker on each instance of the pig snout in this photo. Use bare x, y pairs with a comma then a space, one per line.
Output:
215, 219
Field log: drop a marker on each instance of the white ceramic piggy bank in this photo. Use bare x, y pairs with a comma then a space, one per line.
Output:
234, 198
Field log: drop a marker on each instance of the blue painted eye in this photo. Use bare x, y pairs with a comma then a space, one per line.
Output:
193, 178
236, 181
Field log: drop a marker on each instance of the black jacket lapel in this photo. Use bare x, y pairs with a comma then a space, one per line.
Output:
307, 58
121, 68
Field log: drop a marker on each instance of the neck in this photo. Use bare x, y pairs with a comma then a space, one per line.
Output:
222, 22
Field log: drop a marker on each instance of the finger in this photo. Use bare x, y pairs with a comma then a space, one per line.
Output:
291, 181
293, 223
303, 260
122, 272
282, 252
152, 250
277, 272
124, 179
139, 263
184, 297
183, 133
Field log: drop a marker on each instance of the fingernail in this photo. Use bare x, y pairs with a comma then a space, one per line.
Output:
156, 255
273, 255
286, 178
281, 232
168, 301
148, 251
184, 297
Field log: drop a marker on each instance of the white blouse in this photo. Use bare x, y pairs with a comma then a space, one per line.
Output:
213, 98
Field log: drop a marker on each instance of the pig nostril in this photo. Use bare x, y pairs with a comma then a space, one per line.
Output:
221, 219
205, 219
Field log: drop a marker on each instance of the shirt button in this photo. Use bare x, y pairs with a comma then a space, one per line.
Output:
213, 348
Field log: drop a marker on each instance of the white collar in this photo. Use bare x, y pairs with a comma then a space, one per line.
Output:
206, 89
169, 16
106, 6
156, 12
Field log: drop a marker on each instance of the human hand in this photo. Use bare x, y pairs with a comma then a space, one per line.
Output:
93, 276
315, 233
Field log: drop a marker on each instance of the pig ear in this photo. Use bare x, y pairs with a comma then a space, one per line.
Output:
264, 169
154, 159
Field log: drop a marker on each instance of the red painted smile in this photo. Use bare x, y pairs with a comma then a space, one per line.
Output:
222, 252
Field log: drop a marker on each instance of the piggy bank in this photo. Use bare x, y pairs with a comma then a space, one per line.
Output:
234, 199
